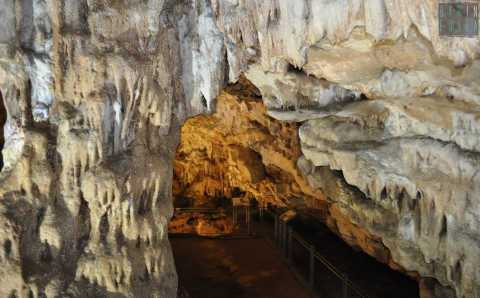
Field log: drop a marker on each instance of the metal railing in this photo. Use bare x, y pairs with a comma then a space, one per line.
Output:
199, 210
313, 270
241, 220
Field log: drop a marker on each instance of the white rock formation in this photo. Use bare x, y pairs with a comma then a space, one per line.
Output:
95, 102
408, 145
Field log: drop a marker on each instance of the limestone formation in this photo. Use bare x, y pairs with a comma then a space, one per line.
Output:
208, 171
96, 92
389, 103
94, 100
202, 224
239, 151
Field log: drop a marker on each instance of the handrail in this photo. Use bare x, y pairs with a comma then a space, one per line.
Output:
324, 261
200, 210
310, 247
305, 244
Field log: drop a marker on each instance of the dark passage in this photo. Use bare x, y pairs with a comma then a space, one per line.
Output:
374, 279
3, 119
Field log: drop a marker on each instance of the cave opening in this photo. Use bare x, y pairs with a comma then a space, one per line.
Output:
3, 120
247, 225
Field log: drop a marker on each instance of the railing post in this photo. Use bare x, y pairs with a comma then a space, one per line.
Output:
248, 220
287, 240
345, 286
280, 234
311, 281
290, 247
246, 214
234, 216
275, 229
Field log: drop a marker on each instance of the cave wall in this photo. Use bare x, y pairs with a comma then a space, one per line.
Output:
389, 103
96, 92
240, 151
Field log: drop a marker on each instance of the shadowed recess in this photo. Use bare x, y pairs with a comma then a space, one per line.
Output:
3, 119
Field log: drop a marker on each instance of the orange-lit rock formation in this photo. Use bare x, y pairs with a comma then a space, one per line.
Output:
240, 150
203, 224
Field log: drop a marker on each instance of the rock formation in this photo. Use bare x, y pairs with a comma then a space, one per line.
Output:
96, 92
239, 151
201, 223
389, 103
208, 170
94, 100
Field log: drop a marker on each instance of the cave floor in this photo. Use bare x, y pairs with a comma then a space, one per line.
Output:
221, 268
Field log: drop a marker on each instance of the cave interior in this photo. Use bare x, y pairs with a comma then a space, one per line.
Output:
223, 158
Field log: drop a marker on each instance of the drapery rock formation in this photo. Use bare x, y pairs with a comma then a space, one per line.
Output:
96, 92
95, 101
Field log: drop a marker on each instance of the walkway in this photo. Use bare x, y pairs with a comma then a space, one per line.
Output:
250, 267
319, 262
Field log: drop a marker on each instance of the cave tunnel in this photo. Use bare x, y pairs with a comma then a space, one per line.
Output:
243, 225
3, 119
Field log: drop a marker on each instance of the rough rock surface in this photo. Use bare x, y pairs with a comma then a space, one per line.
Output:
201, 223
94, 104
207, 173
386, 101
239, 151
96, 92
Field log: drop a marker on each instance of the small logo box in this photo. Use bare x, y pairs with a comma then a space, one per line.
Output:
458, 19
